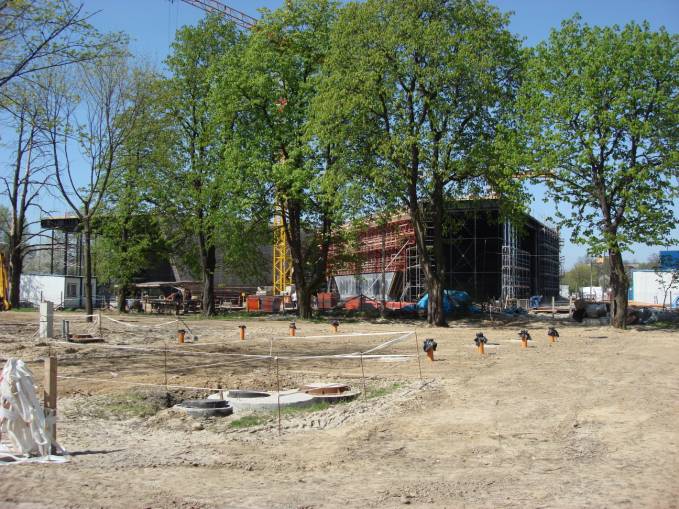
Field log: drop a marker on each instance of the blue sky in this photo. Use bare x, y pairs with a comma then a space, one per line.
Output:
151, 25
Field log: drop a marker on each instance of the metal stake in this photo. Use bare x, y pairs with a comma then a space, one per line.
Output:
417, 351
270, 353
365, 396
166, 367
50, 394
278, 393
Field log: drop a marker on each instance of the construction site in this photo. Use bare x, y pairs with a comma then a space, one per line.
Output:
570, 415
212, 294
487, 256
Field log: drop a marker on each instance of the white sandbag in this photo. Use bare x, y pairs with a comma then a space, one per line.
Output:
23, 429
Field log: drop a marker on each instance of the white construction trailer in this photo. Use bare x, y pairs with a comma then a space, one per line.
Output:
62, 291
651, 287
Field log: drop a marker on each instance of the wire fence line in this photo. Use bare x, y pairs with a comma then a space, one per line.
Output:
163, 360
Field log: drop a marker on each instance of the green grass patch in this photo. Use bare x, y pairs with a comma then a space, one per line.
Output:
664, 325
124, 405
383, 391
132, 406
297, 410
249, 421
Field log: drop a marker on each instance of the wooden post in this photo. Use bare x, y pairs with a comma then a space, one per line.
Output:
166, 367
101, 334
50, 394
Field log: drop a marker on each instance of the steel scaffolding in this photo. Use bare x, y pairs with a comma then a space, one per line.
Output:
516, 266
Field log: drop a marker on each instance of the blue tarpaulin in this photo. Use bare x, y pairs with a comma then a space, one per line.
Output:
669, 260
453, 301
535, 301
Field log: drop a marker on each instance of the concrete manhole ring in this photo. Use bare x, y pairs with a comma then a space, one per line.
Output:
206, 407
205, 403
245, 394
260, 401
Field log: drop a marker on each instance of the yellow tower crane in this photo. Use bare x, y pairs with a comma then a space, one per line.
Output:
282, 264
4, 285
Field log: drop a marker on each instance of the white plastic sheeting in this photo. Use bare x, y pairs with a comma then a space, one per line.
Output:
369, 284
593, 293
23, 426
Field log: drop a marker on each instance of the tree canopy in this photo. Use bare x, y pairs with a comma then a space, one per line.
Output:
267, 91
600, 108
422, 90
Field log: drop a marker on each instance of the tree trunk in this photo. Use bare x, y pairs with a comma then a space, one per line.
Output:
619, 288
87, 233
209, 258
433, 274
309, 256
122, 298
15, 270
435, 281
435, 311
304, 301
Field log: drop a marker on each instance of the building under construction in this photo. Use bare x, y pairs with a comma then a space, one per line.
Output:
487, 256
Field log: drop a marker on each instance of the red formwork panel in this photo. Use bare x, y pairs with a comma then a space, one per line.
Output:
253, 303
361, 303
270, 304
326, 300
264, 303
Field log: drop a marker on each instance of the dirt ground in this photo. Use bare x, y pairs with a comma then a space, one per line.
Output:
590, 421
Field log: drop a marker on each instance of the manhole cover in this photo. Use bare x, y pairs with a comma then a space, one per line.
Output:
329, 393
321, 389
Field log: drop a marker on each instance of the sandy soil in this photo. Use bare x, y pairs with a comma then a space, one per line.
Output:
591, 421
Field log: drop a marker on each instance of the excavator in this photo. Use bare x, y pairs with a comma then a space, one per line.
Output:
4, 285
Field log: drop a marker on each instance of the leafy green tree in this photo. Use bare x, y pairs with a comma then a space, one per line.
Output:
206, 202
600, 106
578, 276
267, 91
587, 272
423, 88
